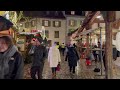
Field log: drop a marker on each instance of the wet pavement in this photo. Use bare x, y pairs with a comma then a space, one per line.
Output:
82, 71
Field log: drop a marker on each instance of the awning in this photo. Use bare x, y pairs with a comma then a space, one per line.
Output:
88, 31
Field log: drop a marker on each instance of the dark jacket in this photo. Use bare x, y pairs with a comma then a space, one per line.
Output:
72, 56
39, 56
16, 66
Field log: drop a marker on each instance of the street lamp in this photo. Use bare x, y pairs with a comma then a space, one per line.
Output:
99, 16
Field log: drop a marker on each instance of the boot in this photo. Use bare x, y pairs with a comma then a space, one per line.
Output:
53, 76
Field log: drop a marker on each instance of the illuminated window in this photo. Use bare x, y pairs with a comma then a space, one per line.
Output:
46, 23
72, 12
26, 24
47, 33
72, 23
33, 23
56, 24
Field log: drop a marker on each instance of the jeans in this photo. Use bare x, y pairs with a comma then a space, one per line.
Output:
72, 68
54, 70
36, 70
63, 50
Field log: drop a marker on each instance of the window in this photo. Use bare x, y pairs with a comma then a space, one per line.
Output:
56, 24
26, 24
21, 24
56, 34
47, 12
72, 23
46, 23
72, 12
33, 23
81, 21
47, 33
56, 13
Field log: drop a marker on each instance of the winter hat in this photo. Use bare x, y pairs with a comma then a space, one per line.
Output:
40, 40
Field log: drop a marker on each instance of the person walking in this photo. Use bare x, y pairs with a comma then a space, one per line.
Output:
72, 57
63, 48
39, 55
54, 59
11, 61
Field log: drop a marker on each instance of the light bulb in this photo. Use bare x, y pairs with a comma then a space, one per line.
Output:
98, 16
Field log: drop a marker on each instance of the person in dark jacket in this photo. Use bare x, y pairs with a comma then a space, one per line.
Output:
39, 55
72, 57
11, 61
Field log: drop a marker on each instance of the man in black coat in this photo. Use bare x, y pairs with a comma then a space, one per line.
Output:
39, 55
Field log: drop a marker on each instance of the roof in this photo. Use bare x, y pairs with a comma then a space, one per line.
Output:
78, 13
46, 14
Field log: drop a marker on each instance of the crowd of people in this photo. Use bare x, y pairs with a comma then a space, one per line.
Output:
12, 61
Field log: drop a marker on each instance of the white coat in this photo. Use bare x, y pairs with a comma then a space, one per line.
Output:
117, 41
54, 56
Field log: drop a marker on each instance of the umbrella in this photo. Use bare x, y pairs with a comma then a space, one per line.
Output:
5, 24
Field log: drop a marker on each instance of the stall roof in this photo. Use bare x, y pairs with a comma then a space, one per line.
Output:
88, 20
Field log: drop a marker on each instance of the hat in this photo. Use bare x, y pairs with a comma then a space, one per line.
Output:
5, 24
40, 40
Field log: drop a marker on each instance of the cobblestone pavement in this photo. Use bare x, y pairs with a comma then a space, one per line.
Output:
82, 71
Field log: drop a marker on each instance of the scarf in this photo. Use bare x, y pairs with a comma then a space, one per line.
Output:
4, 60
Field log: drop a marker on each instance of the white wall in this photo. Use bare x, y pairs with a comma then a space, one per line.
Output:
77, 18
117, 14
51, 29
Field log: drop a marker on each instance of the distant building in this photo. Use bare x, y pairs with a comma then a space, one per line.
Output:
57, 23
74, 20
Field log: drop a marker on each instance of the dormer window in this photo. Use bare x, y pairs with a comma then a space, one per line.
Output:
56, 13
72, 12
47, 12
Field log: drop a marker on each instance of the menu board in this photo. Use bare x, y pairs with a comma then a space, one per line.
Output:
21, 44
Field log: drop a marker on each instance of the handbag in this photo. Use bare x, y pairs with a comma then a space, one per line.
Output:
96, 70
58, 67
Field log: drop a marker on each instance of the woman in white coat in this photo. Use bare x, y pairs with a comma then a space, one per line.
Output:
54, 59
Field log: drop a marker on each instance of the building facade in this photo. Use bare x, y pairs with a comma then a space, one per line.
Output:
56, 29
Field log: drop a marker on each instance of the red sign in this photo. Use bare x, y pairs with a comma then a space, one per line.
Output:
32, 31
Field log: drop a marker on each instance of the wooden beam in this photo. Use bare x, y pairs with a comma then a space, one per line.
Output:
98, 21
108, 49
94, 17
88, 20
87, 40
